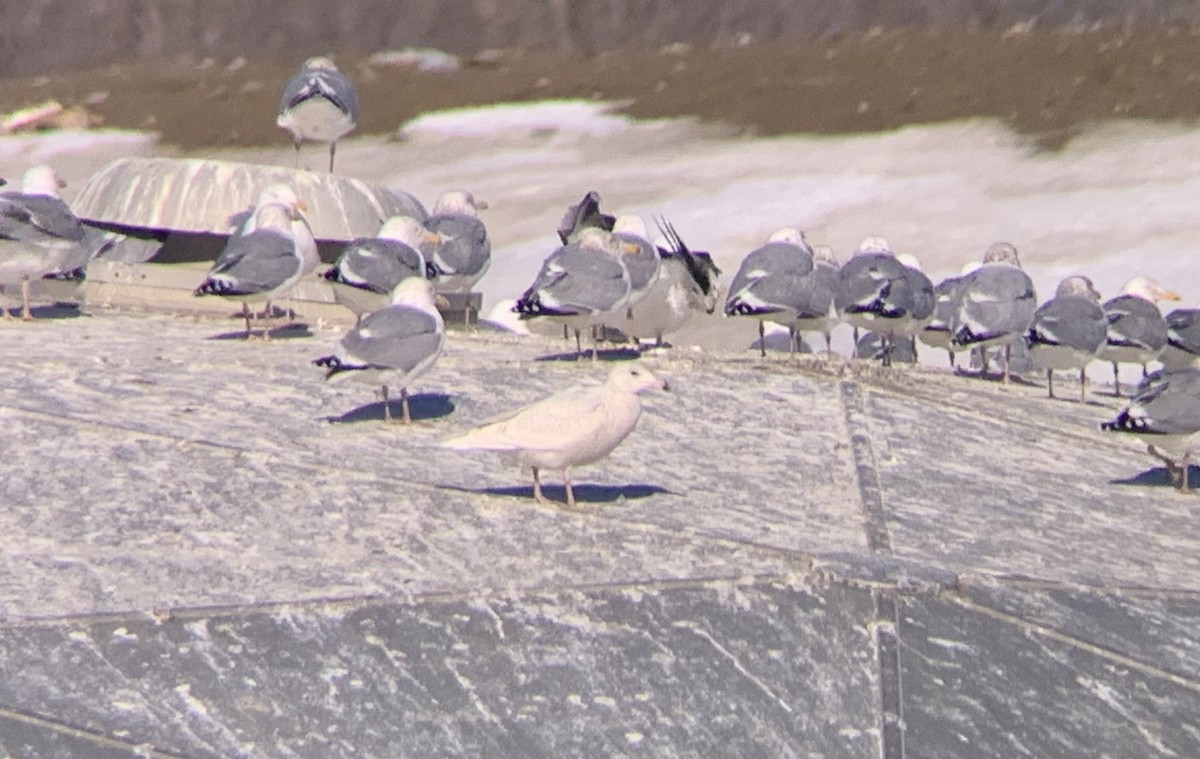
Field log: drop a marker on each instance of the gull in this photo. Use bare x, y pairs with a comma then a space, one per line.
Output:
574, 427
766, 283
585, 213
813, 297
369, 268
263, 264
582, 285
1165, 414
641, 258
686, 285
936, 334
1183, 338
319, 104
1137, 332
458, 249
402, 340
876, 291
995, 303
1068, 331
38, 232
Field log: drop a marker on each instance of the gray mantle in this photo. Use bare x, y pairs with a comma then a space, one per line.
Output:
207, 552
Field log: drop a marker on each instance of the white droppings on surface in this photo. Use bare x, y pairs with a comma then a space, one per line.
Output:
194, 705
952, 645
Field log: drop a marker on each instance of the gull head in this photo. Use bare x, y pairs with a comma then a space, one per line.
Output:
415, 291
1001, 253
281, 194
1077, 284
631, 224
41, 180
874, 244
599, 240
403, 229
792, 235
320, 63
631, 378
909, 260
823, 254
1144, 287
274, 216
458, 202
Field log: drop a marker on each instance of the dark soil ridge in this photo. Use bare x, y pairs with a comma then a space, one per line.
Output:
1047, 85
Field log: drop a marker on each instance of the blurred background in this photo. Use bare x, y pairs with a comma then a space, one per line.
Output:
195, 70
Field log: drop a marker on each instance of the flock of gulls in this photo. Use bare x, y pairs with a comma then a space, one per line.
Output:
608, 275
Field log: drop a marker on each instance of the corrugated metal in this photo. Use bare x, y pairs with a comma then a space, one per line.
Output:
194, 195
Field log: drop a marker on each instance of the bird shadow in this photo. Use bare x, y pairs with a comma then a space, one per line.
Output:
610, 354
1158, 477
282, 332
53, 312
421, 407
995, 378
584, 493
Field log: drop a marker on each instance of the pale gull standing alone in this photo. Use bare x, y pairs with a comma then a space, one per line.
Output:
766, 283
319, 104
995, 304
1165, 414
936, 334
1183, 339
685, 287
264, 264
369, 268
814, 297
577, 426
876, 291
399, 343
1068, 331
38, 232
459, 251
1137, 332
583, 284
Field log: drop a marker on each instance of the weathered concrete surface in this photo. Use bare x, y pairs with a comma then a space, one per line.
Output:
205, 551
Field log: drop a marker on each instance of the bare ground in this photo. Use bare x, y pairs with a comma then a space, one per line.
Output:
1048, 85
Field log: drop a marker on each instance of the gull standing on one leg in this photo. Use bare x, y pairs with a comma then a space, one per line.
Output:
458, 249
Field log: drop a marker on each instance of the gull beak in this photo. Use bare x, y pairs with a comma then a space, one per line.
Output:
441, 301
630, 247
62, 183
481, 205
300, 205
436, 238
1171, 295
